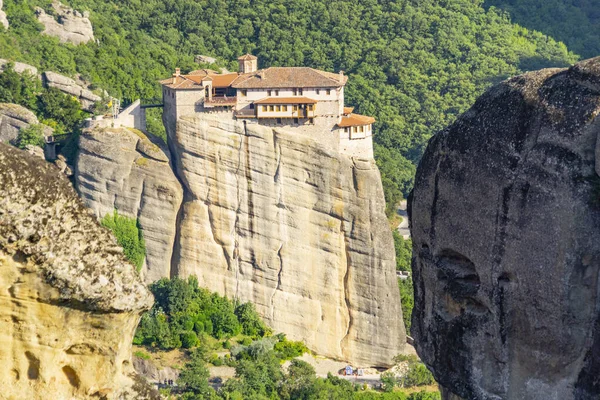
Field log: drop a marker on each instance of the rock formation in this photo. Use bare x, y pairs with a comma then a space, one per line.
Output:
19, 67
275, 218
67, 85
68, 25
122, 169
506, 233
13, 118
3, 19
69, 302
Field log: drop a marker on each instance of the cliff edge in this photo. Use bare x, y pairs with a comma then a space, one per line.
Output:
69, 302
506, 237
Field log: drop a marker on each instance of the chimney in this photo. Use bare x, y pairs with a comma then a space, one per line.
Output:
341, 76
174, 79
177, 71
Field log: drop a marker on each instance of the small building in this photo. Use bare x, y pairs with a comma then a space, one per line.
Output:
298, 98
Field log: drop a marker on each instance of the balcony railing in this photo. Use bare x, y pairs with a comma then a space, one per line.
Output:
246, 113
220, 102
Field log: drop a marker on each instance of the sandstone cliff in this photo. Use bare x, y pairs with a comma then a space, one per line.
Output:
13, 118
274, 218
506, 233
122, 169
69, 302
68, 25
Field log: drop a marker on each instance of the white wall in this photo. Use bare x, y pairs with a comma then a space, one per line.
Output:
357, 144
332, 104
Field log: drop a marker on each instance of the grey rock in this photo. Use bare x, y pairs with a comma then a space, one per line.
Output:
111, 172
19, 67
74, 300
152, 373
506, 237
13, 118
3, 19
71, 87
68, 25
200, 59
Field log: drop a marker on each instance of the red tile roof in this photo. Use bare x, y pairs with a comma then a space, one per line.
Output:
355, 120
348, 110
289, 77
247, 57
286, 100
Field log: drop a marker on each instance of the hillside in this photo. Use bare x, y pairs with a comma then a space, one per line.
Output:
414, 65
575, 22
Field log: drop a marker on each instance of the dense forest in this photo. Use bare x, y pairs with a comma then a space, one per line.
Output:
574, 22
414, 65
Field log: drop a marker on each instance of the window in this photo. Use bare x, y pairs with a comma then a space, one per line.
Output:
328, 92
271, 108
300, 91
311, 120
284, 108
361, 129
265, 108
268, 93
277, 93
354, 129
252, 106
295, 107
278, 108
346, 130
318, 91
243, 92
295, 91
279, 120
310, 107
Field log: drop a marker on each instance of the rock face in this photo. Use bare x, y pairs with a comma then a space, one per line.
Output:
122, 169
506, 233
3, 19
69, 302
69, 86
274, 218
13, 118
68, 25
20, 67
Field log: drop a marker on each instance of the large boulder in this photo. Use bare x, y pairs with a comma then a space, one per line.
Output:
70, 301
19, 67
505, 219
13, 118
69, 86
123, 169
3, 19
68, 25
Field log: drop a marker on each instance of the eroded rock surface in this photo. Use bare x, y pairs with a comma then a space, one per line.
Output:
68, 25
13, 118
274, 218
506, 233
69, 301
69, 86
3, 19
122, 169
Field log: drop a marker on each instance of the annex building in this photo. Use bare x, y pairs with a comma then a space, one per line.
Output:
300, 99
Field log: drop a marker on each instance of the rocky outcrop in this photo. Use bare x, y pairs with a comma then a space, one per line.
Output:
13, 118
152, 373
69, 301
67, 85
19, 67
274, 218
122, 169
506, 233
3, 19
68, 25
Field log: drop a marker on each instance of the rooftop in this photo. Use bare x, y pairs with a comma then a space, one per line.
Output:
289, 77
355, 120
247, 57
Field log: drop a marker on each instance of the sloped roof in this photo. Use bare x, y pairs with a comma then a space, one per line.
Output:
182, 82
348, 110
247, 57
355, 120
286, 100
195, 78
289, 77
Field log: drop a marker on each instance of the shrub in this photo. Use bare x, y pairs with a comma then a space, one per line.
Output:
33, 135
189, 340
287, 350
417, 375
388, 381
142, 355
129, 236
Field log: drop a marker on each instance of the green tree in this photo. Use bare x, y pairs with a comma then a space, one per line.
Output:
407, 300
194, 377
403, 252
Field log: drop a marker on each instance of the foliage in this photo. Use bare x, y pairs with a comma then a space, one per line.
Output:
32, 135
417, 374
129, 236
288, 350
142, 355
577, 23
414, 65
403, 252
194, 377
55, 105
183, 313
388, 381
408, 301
21, 89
